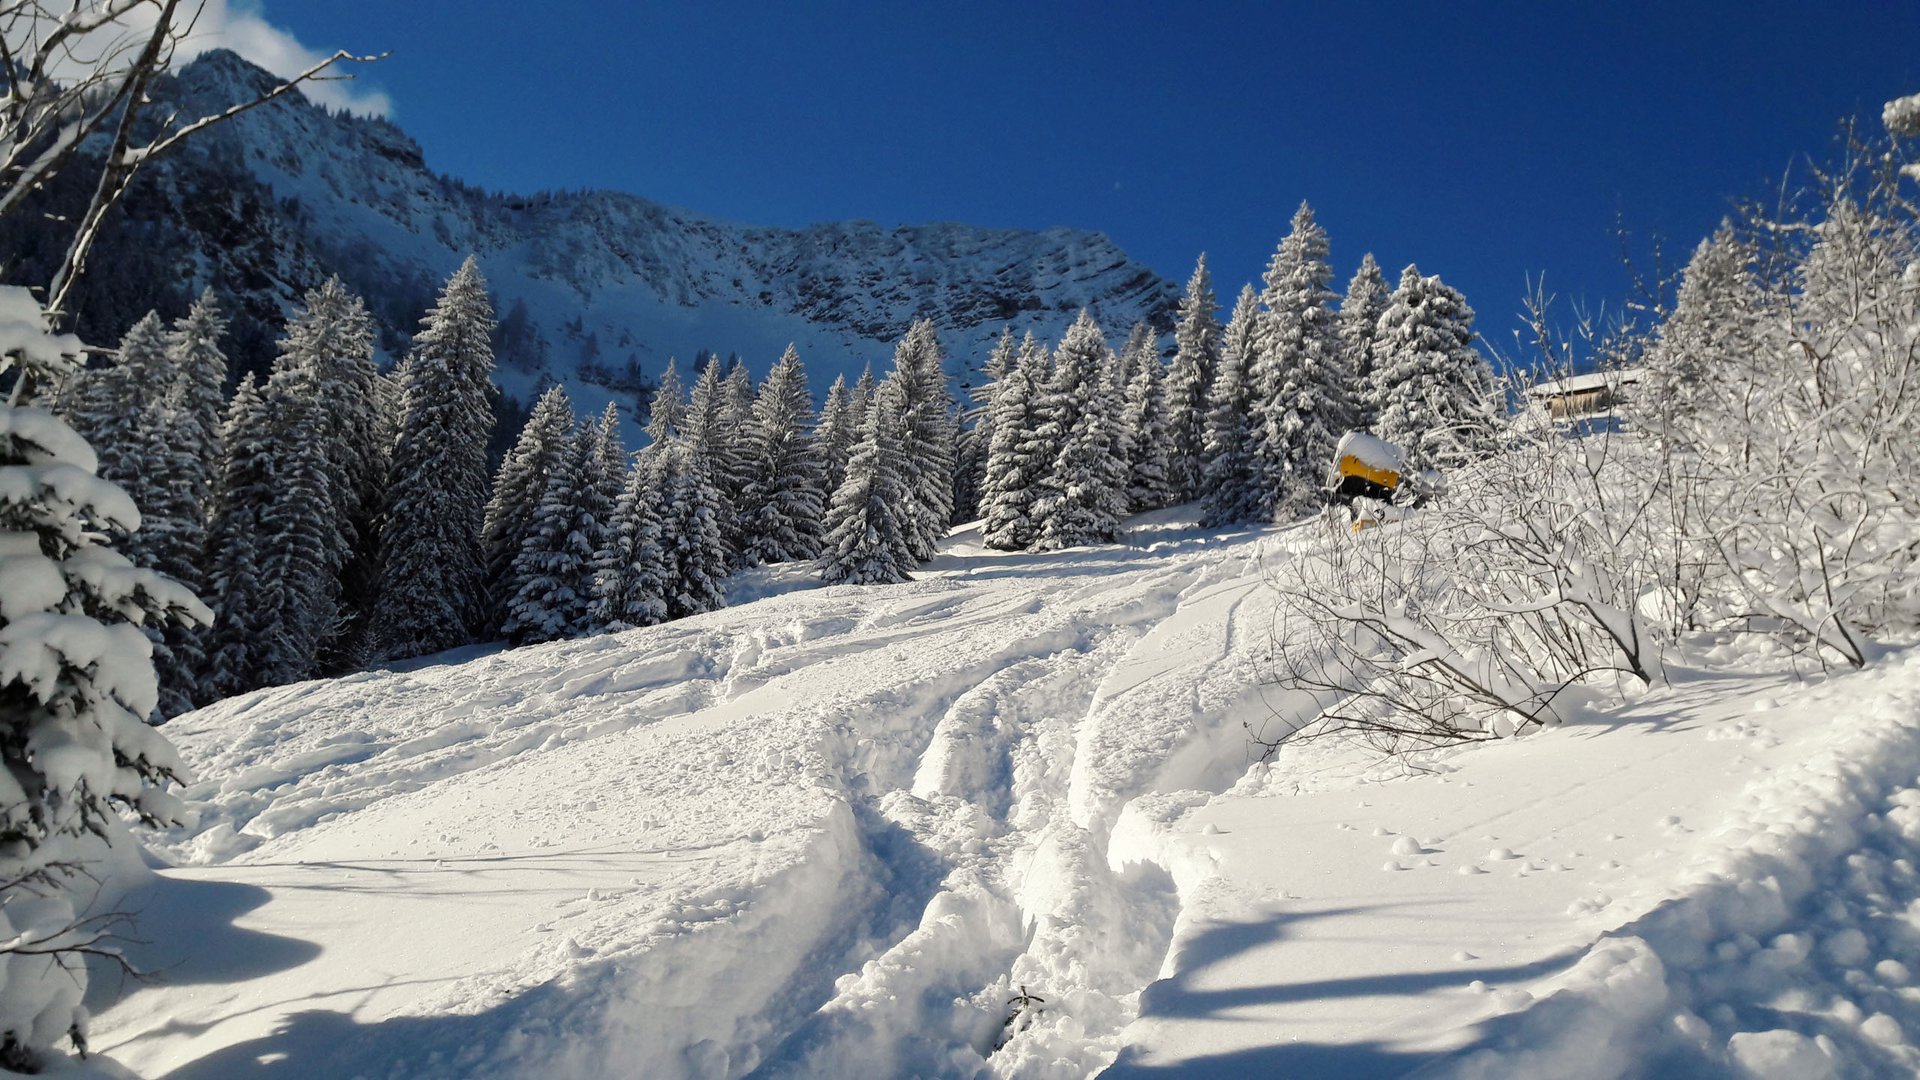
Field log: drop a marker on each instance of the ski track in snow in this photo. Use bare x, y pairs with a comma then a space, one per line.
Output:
837, 831
758, 841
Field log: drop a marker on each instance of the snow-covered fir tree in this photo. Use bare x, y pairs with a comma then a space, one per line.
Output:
1301, 388
733, 471
693, 551
976, 434
334, 339
866, 390
1196, 356
783, 511
109, 406
1149, 486
235, 533
1360, 311
79, 685
601, 485
192, 418
628, 585
304, 544
1083, 496
315, 431
1141, 343
667, 410
1018, 459
836, 434
198, 395
1709, 332
518, 487
554, 569
867, 538
1141, 347
1436, 392
707, 436
131, 410
433, 584
920, 370
1234, 485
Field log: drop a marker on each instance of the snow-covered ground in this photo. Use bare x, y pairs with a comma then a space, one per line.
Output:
831, 832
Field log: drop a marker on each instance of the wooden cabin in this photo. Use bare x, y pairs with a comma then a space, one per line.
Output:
1583, 395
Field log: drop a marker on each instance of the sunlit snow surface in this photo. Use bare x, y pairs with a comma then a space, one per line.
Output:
830, 832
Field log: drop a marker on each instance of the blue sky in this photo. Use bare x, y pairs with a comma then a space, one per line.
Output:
1483, 141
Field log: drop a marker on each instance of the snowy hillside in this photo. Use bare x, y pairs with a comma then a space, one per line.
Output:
832, 832
607, 279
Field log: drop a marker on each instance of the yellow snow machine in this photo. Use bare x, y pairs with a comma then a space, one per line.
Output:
1367, 476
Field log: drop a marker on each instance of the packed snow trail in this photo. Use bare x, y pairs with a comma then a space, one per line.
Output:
684, 850
1000, 822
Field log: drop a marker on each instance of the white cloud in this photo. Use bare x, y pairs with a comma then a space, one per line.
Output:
241, 26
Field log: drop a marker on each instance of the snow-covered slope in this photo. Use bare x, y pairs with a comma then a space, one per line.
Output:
833, 832
609, 278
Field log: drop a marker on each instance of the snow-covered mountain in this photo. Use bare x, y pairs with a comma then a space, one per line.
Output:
603, 286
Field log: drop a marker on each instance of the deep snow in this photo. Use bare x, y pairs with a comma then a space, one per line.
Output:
833, 831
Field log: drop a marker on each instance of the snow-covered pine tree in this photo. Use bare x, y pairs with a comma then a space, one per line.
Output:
1018, 459
1148, 487
107, 405
1709, 334
554, 569
198, 397
1141, 342
1235, 488
694, 556
390, 407
976, 435
629, 589
1360, 311
604, 481
732, 472
866, 390
517, 490
867, 539
242, 633
195, 409
1196, 356
1084, 492
667, 411
433, 585
1301, 388
1437, 394
705, 432
836, 434
78, 682
131, 408
784, 501
920, 370
304, 543
333, 339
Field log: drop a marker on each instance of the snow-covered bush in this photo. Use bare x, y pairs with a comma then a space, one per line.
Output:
1470, 618
1784, 398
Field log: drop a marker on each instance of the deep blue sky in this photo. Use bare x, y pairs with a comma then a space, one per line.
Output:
1484, 141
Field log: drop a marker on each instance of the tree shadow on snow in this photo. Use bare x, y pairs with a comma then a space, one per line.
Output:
1179, 997
184, 935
